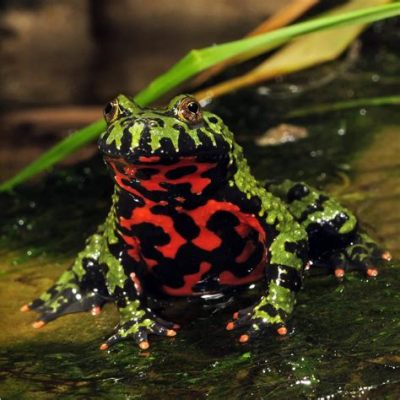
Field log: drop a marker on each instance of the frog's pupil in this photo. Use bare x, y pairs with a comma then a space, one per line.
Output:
193, 107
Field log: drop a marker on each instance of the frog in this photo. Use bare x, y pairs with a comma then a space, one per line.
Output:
189, 219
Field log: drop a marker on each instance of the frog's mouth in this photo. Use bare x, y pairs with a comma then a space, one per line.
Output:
166, 154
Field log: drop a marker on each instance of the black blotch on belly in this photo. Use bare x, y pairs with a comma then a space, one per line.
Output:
221, 220
127, 202
223, 223
171, 272
180, 172
150, 236
185, 226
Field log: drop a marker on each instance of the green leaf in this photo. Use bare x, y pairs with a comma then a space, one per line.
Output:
193, 63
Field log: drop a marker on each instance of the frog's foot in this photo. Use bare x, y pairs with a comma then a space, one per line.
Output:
58, 301
362, 255
139, 327
258, 319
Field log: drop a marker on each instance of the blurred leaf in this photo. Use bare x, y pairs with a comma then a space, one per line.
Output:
195, 62
283, 17
304, 52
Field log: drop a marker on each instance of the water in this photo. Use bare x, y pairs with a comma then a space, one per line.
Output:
343, 341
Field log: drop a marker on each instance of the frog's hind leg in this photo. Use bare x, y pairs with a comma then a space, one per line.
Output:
335, 240
80, 288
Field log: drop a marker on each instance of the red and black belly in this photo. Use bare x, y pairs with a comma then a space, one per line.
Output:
196, 251
189, 242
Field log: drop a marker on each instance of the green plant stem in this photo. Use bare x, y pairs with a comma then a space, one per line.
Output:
195, 62
345, 105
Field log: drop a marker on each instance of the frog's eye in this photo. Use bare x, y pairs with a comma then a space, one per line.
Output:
111, 111
189, 110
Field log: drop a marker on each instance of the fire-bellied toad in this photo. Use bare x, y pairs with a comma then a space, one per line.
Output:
188, 218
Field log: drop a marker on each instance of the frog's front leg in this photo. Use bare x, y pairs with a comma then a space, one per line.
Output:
124, 281
287, 257
80, 288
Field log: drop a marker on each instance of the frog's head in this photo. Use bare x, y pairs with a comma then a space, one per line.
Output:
182, 130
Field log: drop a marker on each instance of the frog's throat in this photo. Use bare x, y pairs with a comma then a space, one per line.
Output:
184, 178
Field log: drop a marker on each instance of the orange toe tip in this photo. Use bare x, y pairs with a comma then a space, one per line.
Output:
104, 346
144, 345
38, 324
24, 308
229, 326
282, 331
386, 255
339, 273
95, 311
244, 338
236, 315
171, 333
372, 272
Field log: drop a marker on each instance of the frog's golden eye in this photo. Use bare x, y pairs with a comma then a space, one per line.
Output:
189, 110
111, 111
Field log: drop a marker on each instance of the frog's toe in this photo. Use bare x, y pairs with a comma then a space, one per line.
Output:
256, 321
139, 332
372, 272
111, 341
244, 338
282, 330
259, 327
239, 322
339, 272
386, 256
95, 304
47, 316
245, 312
25, 308
96, 310
140, 338
38, 324
37, 305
